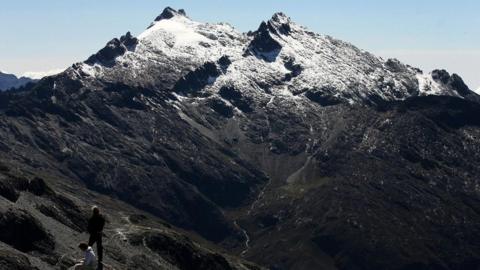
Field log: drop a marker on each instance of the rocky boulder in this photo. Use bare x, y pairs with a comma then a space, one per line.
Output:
22, 231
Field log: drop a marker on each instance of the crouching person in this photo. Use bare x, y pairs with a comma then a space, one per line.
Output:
89, 262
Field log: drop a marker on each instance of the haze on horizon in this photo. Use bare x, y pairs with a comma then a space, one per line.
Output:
51, 35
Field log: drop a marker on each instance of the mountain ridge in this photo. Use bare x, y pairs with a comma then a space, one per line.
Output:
8, 81
281, 146
335, 58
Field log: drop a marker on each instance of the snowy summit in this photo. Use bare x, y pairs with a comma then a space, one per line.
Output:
280, 59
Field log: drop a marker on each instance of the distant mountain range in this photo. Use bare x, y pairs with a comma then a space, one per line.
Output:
208, 147
8, 81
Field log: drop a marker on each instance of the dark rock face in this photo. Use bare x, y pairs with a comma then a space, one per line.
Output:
295, 69
405, 181
8, 192
454, 81
129, 41
113, 49
198, 78
263, 45
322, 96
106, 55
224, 62
65, 211
395, 66
169, 13
38, 187
236, 97
14, 261
23, 232
10, 187
55, 206
441, 75
184, 255
221, 107
280, 24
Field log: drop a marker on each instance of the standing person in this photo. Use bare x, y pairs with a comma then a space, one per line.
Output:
89, 262
95, 228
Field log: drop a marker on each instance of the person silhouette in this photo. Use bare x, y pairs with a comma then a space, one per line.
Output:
95, 229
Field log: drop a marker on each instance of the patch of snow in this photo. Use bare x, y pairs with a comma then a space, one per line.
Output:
179, 29
285, 92
179, 97
66, 150
427, 85
271, 100
90, 70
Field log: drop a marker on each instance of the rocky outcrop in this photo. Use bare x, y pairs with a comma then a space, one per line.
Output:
279, 24
295, 69
113, 49
454, 81
263, 45
237, 98
395, 65
322, 96
222, 108
169, 13
22, 231
183, 254
14, 261
197, 79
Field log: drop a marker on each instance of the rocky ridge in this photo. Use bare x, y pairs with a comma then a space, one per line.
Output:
289, 148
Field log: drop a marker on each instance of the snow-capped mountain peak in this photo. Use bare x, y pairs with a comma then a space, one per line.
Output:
175, 31
280, 58
281, 18
281, 23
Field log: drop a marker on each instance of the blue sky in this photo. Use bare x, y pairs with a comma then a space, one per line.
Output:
51, 34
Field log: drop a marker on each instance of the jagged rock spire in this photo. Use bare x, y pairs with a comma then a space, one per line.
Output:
264, 41
280, 24
169, 13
